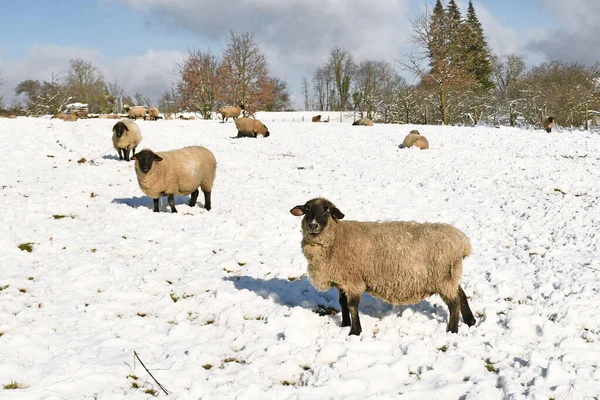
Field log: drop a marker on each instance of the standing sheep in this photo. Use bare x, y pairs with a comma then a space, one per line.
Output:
176, 172
126, 136
153, 114
231, 112
399, 262
137, 112
415, 139
363, 122
548, 124
250, 127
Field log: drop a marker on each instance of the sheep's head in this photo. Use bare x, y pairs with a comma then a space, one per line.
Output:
119, 129
144, 160
317, 213
266, 134
414, 132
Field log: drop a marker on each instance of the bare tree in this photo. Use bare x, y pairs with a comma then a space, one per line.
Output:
342, 65
376, 85
323, 88
306, 93
199, 82
44, 97
1, 97
246, 74
86, 84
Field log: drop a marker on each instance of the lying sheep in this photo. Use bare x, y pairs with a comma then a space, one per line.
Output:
65, 117
415, 139
136, 112
126, 136
400, 262
191, 118
316, 118
108, 116
153, 114
251, 127
231, 112
176, 172
548, 124
363, 122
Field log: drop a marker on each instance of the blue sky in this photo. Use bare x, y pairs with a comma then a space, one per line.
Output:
38, 37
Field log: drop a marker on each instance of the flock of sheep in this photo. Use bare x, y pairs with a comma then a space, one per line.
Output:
401, 262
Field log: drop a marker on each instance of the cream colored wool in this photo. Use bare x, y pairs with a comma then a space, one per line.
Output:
130, 139
230, 112
250, 127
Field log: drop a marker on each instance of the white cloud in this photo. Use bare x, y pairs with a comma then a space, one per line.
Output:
151, 73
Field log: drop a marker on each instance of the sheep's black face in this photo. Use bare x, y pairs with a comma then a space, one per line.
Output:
317, 213
144, 160
119, 129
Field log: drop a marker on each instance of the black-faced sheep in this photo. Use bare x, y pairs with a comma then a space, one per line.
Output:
175, 173
126, 136
548, 124
250, 127
363, 122
231, 112
399, 262
415, 139
316, 118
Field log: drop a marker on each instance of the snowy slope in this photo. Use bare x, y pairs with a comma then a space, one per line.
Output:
216, 303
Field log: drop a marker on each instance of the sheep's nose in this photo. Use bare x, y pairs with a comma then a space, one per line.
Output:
313, 226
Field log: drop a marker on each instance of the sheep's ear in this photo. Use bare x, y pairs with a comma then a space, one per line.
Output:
298, 211
336, 213
156, 157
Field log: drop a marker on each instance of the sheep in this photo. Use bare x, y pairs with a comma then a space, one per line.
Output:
190, 118
250, 127
168, 117
316, 118
108, 116
136, 112
401, 262
176, 172
231, 112
65, 117
153, 114
548, 124
415, 139
363, 122
126, 136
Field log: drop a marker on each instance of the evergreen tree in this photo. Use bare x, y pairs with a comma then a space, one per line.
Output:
476, 50
437, 44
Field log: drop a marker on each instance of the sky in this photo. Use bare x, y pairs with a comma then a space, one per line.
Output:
139, 42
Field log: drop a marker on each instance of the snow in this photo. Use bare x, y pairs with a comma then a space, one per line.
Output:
216, 303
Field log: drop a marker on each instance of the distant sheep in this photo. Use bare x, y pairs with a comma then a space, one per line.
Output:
414, 139
250, 127
153, 114
126, 136
190, 118
168, 117
231, 112
548, 124
363, 122
316, 118
65, 117
137, 112
108, 116
400, 262
176, 172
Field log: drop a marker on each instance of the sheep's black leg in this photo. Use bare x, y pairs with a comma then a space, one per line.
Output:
194, 197
206, 200
171, 199
120, 154
126, 151
155, 204
465, 310
353, 301
133, 152
344, 306
454, 308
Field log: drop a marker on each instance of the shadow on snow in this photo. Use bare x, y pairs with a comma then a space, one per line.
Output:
147, 202
300, 293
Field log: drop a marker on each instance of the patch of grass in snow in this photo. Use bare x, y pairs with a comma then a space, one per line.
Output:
12, 385
30, 278
174, 297
61, 216
141, 314
92, 195
233, 360
207, 366
28, 247
135, 385
81, 160
1, 333
169, 282
209, 322
134, 377
22, 290
490, 366
443, 348
287, 383
93, 250
4, 287
187, 295
305, 367
151, 392
323, 310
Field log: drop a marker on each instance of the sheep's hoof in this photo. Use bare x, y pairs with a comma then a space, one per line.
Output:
355, 332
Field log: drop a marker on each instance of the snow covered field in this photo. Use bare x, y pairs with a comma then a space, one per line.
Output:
216, 303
